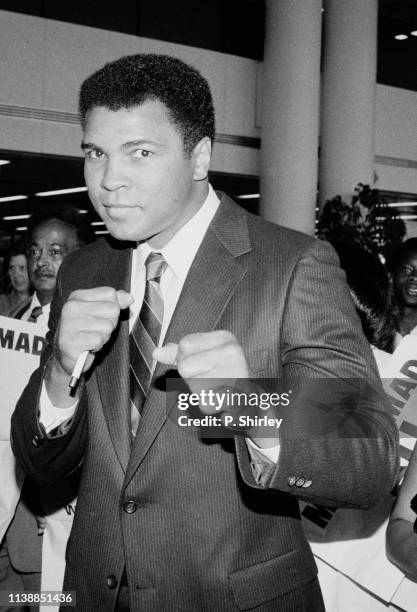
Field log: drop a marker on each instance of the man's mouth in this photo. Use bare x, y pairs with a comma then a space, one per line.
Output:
120, 205
119, 211
44, 275
411, 290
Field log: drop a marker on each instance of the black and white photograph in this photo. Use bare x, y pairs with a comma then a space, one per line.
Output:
208, 306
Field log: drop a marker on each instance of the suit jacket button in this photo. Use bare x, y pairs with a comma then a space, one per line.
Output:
111, 581
291, 481
300, 482
130, 507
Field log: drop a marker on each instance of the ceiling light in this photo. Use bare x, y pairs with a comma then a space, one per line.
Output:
97, 223
4, 162
401, 204
247, 196
413, 33
21, 229
401, 37
15, 217
101, 232
407, 217
44, 194
13, 198
82, 211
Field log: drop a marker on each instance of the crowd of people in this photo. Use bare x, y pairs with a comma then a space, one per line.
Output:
165, 519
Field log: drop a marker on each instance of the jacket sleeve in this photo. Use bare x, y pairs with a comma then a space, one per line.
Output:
47, 458
338, 441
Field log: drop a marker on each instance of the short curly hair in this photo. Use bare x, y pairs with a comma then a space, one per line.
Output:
134, 79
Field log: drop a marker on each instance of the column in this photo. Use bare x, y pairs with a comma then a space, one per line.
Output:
348, 96
290, 113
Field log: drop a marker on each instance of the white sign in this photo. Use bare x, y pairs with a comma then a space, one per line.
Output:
20, 348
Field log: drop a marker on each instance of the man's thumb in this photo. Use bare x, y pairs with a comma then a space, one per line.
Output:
124, 299
166, 354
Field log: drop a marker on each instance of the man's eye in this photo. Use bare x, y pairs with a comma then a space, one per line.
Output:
56, 252
34, 252
94, 154
142, 153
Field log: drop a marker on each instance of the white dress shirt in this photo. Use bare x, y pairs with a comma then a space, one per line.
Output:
179, 254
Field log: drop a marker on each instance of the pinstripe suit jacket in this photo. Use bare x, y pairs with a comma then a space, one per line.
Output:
202, 534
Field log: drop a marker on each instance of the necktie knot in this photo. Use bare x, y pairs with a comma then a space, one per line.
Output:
155, 266
36, 312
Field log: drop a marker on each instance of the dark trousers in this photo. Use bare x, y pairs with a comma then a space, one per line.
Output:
13, 580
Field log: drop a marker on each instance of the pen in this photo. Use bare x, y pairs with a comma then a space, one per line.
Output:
77, 371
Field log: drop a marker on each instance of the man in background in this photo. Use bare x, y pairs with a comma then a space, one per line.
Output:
53, 233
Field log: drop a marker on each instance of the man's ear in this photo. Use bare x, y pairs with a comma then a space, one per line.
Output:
202, 155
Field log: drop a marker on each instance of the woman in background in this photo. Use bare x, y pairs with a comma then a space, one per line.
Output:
19, 285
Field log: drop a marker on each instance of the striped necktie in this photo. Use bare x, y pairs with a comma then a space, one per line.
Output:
145, 336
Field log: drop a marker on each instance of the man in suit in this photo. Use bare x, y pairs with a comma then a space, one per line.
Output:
53, 233
172, 517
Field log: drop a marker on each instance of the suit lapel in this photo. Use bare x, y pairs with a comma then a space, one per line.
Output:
210, 284
113, 371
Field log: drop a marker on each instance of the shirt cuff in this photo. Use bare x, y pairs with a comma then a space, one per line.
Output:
50, 416
263, 461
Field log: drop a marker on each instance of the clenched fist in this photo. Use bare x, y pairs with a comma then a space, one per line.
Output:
88, 319
214, 355
217, 356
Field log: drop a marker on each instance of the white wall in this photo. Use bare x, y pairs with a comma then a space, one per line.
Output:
396, 138
43, 62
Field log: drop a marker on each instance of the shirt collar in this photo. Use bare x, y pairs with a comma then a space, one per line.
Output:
180, 251
35, 302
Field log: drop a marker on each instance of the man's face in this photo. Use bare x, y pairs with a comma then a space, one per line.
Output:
51, 243
405, 281
18, 273
140, 181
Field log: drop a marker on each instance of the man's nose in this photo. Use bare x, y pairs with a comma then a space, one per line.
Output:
43, 259
114, 176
